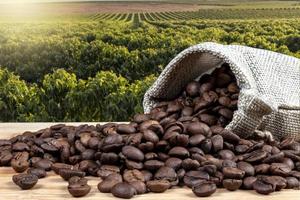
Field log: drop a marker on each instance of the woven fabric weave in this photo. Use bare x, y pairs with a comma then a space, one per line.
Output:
269, 85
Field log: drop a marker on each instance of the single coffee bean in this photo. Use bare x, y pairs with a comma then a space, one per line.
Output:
40, 173
139, 186
226, 154
25, 181
263, 188
153, 164
179, 152
106, 170
292, 183
247, 168
190, 164
233, 173
193, 178
280, 169
232, 184
109, 182
5, 157
147, 175
78, 187
43, 164
173, 162
204, 189
58, 166
166, 173
158, 186
20, 161
248, 182
133, 153
199, 128
217, 142
262, 169
66, 174
192, 89
123, 190
133, 175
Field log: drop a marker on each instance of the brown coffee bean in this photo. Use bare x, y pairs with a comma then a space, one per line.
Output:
280, 169
133, 175
248, 182
40, 173
133, 153
158, 186
292, 183
217, 143
230, 136
125, 129
204, 189
192, 89
20, 146
153, 164
133, 165
150, 136
199, 128
43, 164
166, 173
232, 184
123, 190
233, 173
112, 142
5, 157
193, 178
226, 154
179, 152
247, 168
25, 181
20, 161
139, 186
109, 158
262, 169
78, 187
58, 166
233, 88
263, 188
109, 182
66, 174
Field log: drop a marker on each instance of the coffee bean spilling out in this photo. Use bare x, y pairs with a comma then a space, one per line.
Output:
179, 143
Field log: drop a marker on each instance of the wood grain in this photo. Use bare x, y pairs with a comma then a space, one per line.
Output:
54, 188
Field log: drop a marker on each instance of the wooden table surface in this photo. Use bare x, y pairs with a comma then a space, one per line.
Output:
54, 188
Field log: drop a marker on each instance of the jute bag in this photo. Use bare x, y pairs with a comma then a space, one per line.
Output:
269, 86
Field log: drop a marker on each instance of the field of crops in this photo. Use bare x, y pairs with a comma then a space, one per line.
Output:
203, 14
98, 68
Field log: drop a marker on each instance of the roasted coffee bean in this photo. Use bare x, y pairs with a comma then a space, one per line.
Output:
139, 186
110, 158
195, 140
190, 164
123, 190
199, 128
78, 187
233, 173
106, 170
173, 162
262, 187
292, 183
109, 182
230, 136
43, 164
280, 169
25, 181
20, 161
166, 173
262, 169
248, 182
206, 145
40, 173
229, 163
217, 143
5, 157
20, 146
150, 136
153, 164
226, 154
247, 168
192, 89
204, 189
58, 166
232, 184
179, 152
133, 165
133, 153
158, 186
66, 174
193, 178
125, 129
133, 175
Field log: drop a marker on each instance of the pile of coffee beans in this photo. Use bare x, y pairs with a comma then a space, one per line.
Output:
179, 143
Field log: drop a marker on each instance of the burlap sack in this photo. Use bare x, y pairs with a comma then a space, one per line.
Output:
270, 85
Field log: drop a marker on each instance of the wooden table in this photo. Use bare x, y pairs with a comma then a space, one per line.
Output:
54, 188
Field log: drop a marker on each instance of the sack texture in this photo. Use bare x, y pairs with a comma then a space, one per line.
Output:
269, 86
